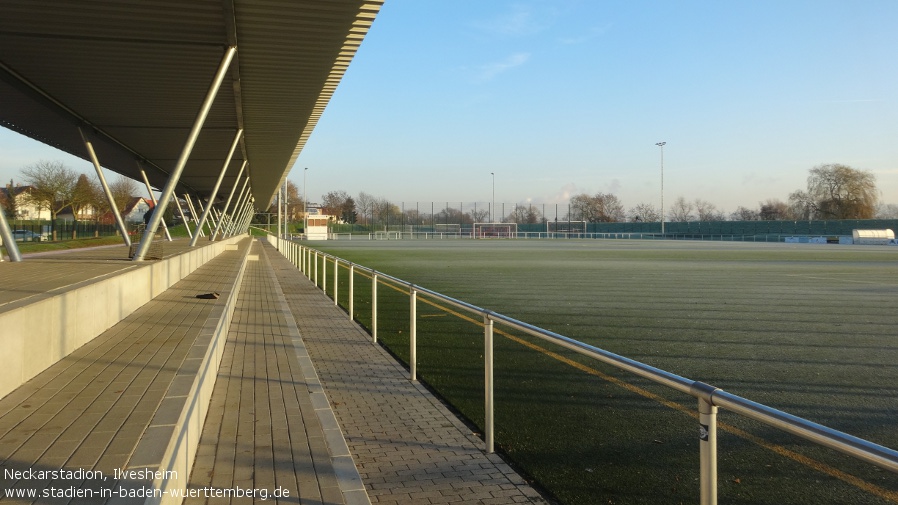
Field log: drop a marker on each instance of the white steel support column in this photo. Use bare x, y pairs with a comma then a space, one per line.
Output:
284, 205
248, 218
185, 154
153, 198
224, 168
214, 217
120, 224
8, 240
245, 215
183, 217
244, 191
230, 197
280, 217
200, 205
190, 206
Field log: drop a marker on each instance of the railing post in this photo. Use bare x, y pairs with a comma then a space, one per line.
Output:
413, 334
707, 418
324, 273
351, 303
336, 279
488, 433
315, 268
374, 306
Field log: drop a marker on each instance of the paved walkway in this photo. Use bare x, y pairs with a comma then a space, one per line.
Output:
408, 448
270, 428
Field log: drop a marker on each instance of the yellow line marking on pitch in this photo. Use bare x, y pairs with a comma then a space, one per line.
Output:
777, 449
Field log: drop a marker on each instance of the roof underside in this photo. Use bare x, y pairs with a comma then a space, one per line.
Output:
133, 76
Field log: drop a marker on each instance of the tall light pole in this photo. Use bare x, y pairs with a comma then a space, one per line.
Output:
492, 209
305, 203
661, 145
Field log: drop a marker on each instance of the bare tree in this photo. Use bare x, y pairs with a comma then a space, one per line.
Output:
123, 190
775, 210
386, 212
681, 211
887, 211
645, 212
8, 201
52, 184
479, 215
295, 204
707, 211
84, 196
339, 203
801, 205
525, 214
839, 192
745, 214
451, 215
414, 217
365, 206
599, 208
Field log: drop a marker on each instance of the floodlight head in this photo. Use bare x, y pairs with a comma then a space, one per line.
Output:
660, 144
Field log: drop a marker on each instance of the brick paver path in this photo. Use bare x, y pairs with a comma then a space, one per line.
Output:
264, 431
408, 448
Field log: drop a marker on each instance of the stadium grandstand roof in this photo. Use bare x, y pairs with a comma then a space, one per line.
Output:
133, 75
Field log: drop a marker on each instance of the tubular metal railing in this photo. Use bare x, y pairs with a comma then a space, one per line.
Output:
709, 397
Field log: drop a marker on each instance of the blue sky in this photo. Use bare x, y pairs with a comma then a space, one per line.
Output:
560, 97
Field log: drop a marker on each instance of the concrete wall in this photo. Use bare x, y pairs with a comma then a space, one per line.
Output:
37, 335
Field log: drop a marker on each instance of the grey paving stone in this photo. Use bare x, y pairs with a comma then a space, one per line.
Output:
407, 446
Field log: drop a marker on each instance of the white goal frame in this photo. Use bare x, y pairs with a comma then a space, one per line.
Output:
450, 229
578, 227
495, 230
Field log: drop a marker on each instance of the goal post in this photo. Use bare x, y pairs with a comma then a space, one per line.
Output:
566, 227
451, 229
495, 230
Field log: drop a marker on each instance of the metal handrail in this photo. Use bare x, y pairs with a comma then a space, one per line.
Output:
709, 397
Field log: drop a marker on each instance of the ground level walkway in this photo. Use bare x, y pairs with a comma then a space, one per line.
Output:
407, 446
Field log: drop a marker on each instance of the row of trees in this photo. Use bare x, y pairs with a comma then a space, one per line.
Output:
55, 187
833, 192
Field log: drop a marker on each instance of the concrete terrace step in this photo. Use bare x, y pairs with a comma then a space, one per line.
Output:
128, 400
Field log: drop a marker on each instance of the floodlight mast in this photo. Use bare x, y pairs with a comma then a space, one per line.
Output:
492, 209
661, 145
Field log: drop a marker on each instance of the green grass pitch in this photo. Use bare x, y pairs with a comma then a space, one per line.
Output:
809, 329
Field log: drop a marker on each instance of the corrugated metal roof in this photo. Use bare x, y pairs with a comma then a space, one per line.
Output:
133, 74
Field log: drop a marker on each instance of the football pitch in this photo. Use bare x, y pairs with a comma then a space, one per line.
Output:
808, 329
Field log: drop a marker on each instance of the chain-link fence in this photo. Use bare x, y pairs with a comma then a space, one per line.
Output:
536, 220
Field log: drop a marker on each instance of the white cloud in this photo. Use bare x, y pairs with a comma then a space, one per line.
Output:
520, 21
491, 70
